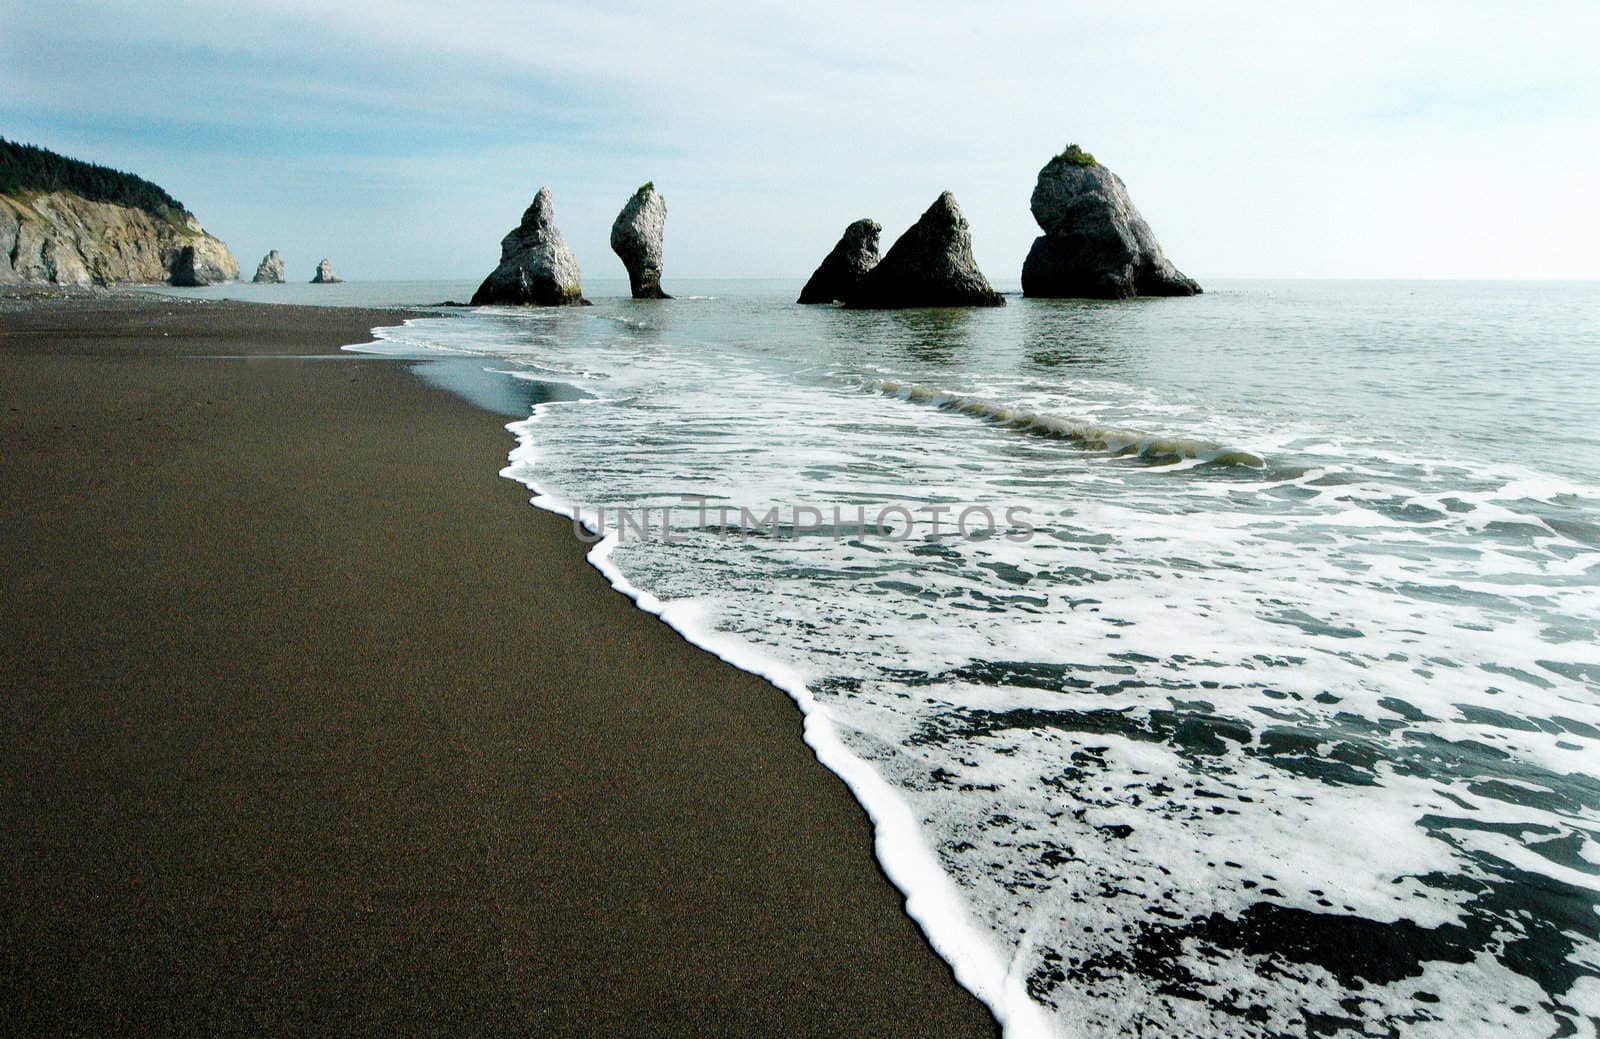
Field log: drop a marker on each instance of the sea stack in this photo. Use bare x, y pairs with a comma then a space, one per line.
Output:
636, 237
931, 265
325, 275
271, 271
536, 267
841, 271
185, 271
1095, 244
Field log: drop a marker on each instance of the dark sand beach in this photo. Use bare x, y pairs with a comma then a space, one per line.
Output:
312, 725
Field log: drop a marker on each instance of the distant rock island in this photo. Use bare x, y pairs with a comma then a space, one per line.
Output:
636, 237
1095, 244
68, 222
325, 275
931, 265
270, 270
536, 267
841, 270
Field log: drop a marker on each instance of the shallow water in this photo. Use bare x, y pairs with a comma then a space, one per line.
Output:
1260, 693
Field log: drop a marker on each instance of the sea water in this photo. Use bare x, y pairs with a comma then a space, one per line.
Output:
1257, 691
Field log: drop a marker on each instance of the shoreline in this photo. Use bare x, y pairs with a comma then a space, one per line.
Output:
466, 826
900, 848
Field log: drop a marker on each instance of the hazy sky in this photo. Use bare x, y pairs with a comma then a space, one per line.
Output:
1455, 139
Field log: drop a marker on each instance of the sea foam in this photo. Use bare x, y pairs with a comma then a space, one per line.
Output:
1246, 748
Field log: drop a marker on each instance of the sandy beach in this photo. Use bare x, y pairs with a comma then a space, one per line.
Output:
313, 726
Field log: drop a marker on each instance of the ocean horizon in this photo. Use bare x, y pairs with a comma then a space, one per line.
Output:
426, 292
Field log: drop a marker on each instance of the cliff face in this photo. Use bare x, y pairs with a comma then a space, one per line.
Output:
64, 239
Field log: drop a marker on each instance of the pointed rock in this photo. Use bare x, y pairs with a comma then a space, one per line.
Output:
636, 237
186, 269
325, 275
841, 270
931, 265
536, 267
1095, 244
270, 271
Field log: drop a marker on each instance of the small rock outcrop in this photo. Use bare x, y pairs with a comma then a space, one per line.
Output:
270, 271
841, 271
1095, 244
931, 265
325, 275
536, 267
185, 270
636, 238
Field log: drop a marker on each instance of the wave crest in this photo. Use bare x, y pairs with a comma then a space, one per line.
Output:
1088, 435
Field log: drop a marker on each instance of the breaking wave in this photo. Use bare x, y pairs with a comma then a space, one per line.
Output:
1088, 435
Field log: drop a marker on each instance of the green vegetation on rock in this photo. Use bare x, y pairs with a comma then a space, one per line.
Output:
1076, 156
24, 167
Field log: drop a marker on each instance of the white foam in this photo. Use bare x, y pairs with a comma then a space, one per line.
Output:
900, 846
1364, 608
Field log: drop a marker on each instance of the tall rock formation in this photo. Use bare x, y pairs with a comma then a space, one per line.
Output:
186, 269
68, 222
536, 267
325, 275
270, 271
1095, 244
636, 237
841, 270
931, 265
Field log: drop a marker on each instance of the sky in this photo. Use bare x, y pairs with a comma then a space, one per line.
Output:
402, 140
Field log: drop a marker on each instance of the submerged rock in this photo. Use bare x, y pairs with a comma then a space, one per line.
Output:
1095, 244
841, 270
325, 275
636, 237
186, 269
536, 267
270, 271
931, 265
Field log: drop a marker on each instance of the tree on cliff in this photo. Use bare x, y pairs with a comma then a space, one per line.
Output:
25, 167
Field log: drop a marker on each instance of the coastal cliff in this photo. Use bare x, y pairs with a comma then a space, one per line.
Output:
66, 222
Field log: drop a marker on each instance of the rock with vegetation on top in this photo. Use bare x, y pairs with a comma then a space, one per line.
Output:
636, 237
931, 265
536, 267
325, 275
68, 222
1095, 244
841, 270
270, 271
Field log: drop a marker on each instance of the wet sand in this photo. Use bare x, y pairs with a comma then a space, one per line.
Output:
312, 725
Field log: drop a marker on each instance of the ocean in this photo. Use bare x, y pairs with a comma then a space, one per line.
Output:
1221, 666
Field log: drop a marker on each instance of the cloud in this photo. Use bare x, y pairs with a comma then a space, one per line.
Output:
1447, 103
406, 137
